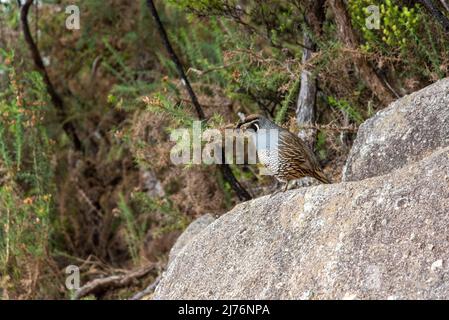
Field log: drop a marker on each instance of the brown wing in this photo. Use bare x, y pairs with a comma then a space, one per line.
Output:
296, 160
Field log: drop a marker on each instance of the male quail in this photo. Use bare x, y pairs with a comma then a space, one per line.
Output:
284, 154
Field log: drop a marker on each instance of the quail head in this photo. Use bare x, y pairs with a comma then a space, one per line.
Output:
284, 154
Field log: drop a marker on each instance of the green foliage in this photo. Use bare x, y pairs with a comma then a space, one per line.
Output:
344, 106
407, 34
142, 212
177, 111
201, 5
397, 24
135, 232
165, 215
288, 102
130, 86
321, 145
8, 13
26, 173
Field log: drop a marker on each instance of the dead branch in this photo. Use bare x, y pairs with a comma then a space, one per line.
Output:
56, 99
148, 290
203, 72
330, 127
113, 282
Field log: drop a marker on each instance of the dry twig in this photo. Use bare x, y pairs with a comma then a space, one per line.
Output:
113, 282
330, 127
147, 290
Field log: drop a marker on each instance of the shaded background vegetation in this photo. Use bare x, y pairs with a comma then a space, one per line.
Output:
118, 203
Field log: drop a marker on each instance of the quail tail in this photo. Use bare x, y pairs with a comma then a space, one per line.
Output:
320, 176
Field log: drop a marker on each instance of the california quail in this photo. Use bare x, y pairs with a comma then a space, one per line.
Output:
284, 154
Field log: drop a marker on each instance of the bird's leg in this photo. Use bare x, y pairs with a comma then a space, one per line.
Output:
277, 184
274, 193
286, 187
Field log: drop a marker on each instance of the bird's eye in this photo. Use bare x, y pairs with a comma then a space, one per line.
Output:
256, 126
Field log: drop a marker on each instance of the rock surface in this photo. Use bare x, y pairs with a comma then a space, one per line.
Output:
190, 233
384, 237
406, 131
383, 233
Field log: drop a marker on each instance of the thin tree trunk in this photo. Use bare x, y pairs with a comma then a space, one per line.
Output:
225, 169
306, 104
348, 36
305, 107
68, 126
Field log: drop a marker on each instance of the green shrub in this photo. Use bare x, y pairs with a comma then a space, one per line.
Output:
397, 24
26, 201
